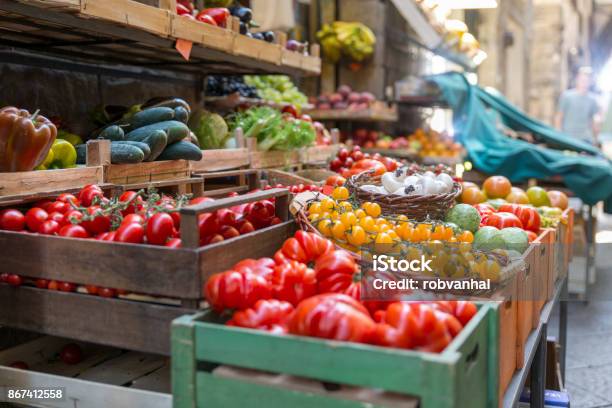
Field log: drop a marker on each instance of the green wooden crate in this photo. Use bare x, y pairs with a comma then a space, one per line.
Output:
464, 375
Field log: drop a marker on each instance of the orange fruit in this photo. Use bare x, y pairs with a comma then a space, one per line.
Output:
517, 197
497, 187
558, 199
473, 195
468, 184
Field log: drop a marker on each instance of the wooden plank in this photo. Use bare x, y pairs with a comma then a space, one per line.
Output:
123, 369
155, 270
183, 362
201, 33
318, 154
221, 159
147, 171
79, 393
258, 49
158, 381
129, 13
269, 159
378, 112
98, 153
112, 322
27, 182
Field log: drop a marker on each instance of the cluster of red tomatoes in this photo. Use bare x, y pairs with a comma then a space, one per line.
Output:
510, 215
284, 294
350, 162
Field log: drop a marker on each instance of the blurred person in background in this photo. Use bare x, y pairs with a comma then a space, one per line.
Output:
578, 110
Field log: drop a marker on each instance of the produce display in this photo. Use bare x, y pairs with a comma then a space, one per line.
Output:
429, 143
404, 181
309, 289
221, 85
345, 98
273, 129
351, 40
354, 161
155, 131
25, 139
533, 208
277, 88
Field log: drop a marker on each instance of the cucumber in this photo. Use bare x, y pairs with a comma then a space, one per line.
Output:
181, 150
81, 150
167, 102
146, 149
113, 132
122, 153
175, 130
157, 141
151, 116
181, 114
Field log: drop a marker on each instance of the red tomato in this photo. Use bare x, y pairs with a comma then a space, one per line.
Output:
174, 243
463, 310
133, 218
531, 236
12, 220
226, 217
44, 204
14, 280
199, 200
236, 290
293, 282
4, 277
68, 198
88, 194
49, 227
377, 167
290, 109
484, 209
343, 153
246, 227
132, 233
71, 217
71, 354
57, 217
267, 314
335, 271
212, 239
91, 289
58, 206
73, 231
530, 219
501, 220
41, 283
107, 292
333, 316
229, 232
335, 181
94, 220
262, 266
133, 201
53, 285
208, 224
160, 228
35, 218
66, 286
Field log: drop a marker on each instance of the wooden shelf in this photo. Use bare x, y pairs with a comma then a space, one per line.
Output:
128, 33
379, 112
422, 101
232, 101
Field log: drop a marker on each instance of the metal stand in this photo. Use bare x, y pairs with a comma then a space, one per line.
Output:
538, 372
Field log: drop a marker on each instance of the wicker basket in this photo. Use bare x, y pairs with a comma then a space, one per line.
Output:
415, 207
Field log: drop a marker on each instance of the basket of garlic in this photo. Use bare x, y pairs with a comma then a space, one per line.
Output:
416, 195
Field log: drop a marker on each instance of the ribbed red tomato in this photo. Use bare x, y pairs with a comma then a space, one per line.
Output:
267, 314
530, 219
501, 220
293, 282
236, 290
335, 271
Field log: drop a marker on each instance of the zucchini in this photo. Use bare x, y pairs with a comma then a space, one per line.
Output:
167, 102
81, 150
157, 141
141, 145
122, 153
181, 114
150, 116
113, 133
175, 130
181, 150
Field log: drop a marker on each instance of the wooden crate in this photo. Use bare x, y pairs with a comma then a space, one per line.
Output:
454, 378
257, 49
272, 159
129, 13
106, 377
173, 273
563, 247
378, 112
507, 341
273, 176
221, 159
544, 254
14, 187
222, 183
200, 33
319, 154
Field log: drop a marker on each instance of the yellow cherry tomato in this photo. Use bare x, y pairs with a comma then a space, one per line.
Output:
340, 193
356, 236
393, 235
327, 204
438, 233
348, 219
368, 224
466, 236
338, 230
314, 208
402, 217
314, 216
346, 206
334, 215
360, 213
372, 209
324, 227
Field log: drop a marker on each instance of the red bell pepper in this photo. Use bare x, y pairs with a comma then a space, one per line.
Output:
219, 14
